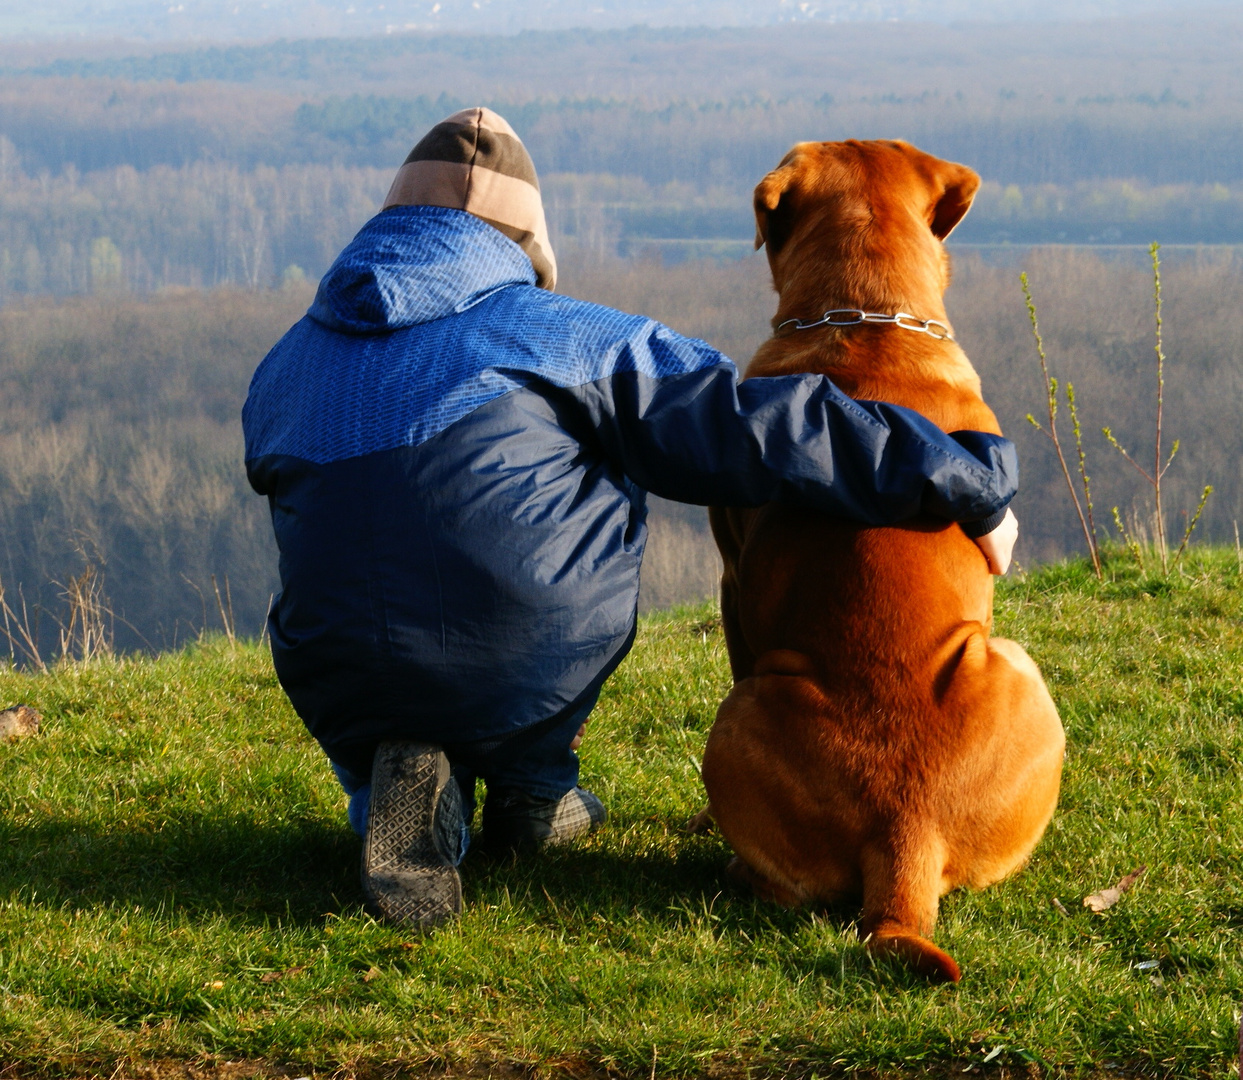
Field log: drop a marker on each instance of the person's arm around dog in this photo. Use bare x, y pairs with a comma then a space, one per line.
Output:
675, 417
998, 543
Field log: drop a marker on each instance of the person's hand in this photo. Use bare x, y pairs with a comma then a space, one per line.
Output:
999, 544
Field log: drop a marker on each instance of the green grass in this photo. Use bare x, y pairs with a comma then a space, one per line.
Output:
173, 837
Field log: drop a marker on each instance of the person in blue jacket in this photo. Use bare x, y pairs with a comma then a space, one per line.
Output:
457, 459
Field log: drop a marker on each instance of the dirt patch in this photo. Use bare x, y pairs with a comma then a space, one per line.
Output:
565, 1069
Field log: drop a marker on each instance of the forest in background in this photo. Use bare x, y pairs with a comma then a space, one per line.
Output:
164, 214
242, 164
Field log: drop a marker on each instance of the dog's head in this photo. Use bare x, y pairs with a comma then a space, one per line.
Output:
860, 224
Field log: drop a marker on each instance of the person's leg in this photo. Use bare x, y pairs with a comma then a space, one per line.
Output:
359, 792
538, 759
414, 821
533, 796
415, 836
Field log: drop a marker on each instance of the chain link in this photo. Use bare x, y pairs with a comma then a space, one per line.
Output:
855, 316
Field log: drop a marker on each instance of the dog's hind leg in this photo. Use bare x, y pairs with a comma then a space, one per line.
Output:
902, 885
727, 528
769, 806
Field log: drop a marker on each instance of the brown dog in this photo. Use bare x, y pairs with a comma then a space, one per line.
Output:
877, 742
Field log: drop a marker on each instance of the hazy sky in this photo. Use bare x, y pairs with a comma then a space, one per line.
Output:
168, 20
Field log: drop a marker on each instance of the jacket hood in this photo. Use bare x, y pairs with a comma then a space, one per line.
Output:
414, 264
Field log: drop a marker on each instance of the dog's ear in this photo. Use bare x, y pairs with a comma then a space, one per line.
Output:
773, 209
958, 187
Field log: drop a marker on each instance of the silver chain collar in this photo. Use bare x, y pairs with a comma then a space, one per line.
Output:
855, 316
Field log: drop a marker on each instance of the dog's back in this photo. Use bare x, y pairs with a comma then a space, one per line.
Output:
877, 742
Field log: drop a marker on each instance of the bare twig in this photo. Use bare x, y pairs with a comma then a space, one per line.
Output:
1132, 545
8, 632
1083, 461
88, 631
1208, 490
263, 630
1157, 468
1109, 435
1050, 386
202, 603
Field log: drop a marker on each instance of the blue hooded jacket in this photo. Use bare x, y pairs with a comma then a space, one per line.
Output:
457, 465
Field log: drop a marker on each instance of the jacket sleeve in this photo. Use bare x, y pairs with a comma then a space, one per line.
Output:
700, 435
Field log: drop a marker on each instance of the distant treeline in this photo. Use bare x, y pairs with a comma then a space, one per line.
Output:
208, 224
103, 123
1147, 98
1187, 59
121, 230
120, 443
248, 164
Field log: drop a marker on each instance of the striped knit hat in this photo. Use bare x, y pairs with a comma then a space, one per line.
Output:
474, 161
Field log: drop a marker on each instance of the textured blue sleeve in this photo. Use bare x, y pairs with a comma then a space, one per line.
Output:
703, 436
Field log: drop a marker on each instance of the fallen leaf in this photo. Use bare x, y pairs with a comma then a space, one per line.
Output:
371, 973
1060, 908
18, 721
1106, 898
217, 985
273, 976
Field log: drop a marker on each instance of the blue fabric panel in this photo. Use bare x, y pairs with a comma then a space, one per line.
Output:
378, 363
459, 590
325, 396
702, 436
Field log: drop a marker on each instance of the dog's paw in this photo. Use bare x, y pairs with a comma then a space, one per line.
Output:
745, 877
702, 823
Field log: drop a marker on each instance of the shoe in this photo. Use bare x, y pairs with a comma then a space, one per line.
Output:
414, 837
516, 821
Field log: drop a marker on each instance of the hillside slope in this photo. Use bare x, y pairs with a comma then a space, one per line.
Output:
178, 883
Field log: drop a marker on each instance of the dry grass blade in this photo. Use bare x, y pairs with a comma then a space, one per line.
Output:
1106, 898
21, 636
88, 633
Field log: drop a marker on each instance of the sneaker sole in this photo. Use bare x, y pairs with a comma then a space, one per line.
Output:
406, 876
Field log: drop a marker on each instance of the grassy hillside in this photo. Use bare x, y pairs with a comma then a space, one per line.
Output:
178, 882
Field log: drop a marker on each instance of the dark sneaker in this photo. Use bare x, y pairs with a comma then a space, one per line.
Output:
414, 836
516, 821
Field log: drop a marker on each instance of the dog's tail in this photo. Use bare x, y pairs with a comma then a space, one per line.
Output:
901, 890
915, 950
